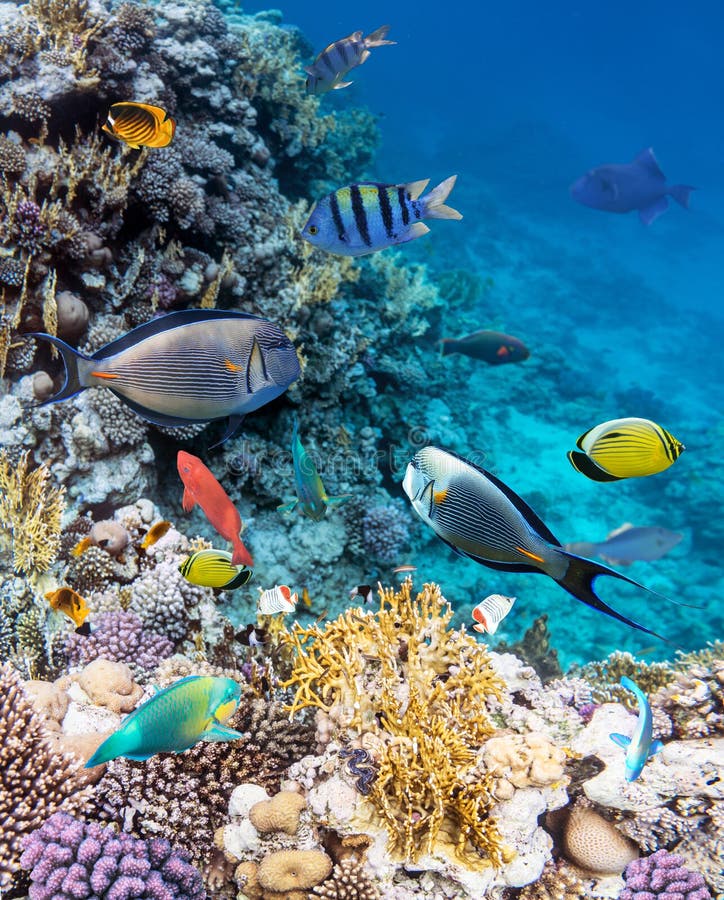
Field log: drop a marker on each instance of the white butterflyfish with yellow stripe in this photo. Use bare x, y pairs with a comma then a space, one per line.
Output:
278, 599
489, 613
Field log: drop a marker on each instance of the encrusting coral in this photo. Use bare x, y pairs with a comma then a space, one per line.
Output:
414, 691
35, 779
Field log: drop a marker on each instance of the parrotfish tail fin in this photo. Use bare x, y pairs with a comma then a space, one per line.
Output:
287, 508
111, 748
435, 201
334, 502
656, 746
620, 740
377, 37
71, 358
579, 579
581, 463
681, 193
241, 556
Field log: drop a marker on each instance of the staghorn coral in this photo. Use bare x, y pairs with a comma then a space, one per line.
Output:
69, 859
30, 509
35, 780
664, 875
418, 690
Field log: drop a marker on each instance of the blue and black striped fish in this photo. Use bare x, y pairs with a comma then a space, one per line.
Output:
333, 63
196, 365
362, 218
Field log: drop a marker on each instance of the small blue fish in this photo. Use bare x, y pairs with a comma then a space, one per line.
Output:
196, 365
362, 218
639, 747
621, 188
311, 495
175, 718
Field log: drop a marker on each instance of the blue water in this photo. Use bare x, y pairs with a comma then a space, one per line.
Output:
519, 100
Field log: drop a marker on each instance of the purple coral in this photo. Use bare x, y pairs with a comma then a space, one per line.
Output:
385, 532
662, 876
28, 230
120, 637
70, 859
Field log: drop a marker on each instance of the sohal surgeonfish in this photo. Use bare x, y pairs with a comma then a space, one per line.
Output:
329, 68
140, 125
624, 187
201, 486
492, 347
312, 498
197, 365
640, 746
214, 569
625, 448
362, 218
480, 517
190, 710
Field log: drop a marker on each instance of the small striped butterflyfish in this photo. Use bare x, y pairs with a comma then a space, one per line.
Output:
214, 569
140, 125
625, 448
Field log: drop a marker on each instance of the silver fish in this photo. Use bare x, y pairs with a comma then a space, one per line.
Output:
329, 68
480, 517
628, 544
197, 365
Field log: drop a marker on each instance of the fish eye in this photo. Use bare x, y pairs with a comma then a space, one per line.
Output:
313, 229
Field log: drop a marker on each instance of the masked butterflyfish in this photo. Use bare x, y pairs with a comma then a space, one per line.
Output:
625, 448
140, 125
197, 365
174, 719
214, 569
480, 517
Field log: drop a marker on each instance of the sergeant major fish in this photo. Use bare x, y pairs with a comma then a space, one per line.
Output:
625, 448
621, 188
175, 718
329, 68
197, 365
201, 486
641, 746
312, 498
362, 218
480, 517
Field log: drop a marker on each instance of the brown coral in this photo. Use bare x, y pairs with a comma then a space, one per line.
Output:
558, 881
281, 813
293, 870
348, 881
517, 761
110, 684
35, 780
595, 844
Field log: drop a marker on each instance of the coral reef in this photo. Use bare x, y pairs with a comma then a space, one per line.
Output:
662, 874
68, 858
119, 637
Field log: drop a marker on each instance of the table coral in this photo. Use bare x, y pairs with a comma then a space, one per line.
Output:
35, 780
663, 875
69, 859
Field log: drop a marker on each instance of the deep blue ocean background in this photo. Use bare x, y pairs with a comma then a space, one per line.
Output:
520, 99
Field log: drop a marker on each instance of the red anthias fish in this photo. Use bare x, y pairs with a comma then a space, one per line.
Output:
201, 487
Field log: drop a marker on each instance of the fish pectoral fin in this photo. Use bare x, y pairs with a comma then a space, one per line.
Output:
333, 502
232, 426
341, 84
651, 213
416, 230
655, 747
287, 508
187, 501
219, 732
583, 464
256, 373
620, 740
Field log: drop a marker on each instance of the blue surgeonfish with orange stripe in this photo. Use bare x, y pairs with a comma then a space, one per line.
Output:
362, 218
329, 68
480, 517
197, 365
625, 448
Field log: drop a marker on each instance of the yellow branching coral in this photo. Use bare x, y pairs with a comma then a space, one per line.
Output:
31, 509
65, 26
414, 691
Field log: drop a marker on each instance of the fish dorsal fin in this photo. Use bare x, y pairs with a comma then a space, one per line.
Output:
647, 160
165, 323
415, 188
530, 517
582, 438
256, 374
627, 526
620, 740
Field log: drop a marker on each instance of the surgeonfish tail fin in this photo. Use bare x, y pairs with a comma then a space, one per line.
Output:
579, 579
447, 346
681, 193
435, 201
377, 37
71, 358
111, 748
581, 463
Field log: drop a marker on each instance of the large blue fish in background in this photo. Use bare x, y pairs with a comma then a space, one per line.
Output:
622, 188
197, 365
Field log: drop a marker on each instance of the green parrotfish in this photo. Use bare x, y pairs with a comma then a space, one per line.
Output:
188, 711
312, 498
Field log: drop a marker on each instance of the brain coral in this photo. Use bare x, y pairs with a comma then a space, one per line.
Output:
595, 844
